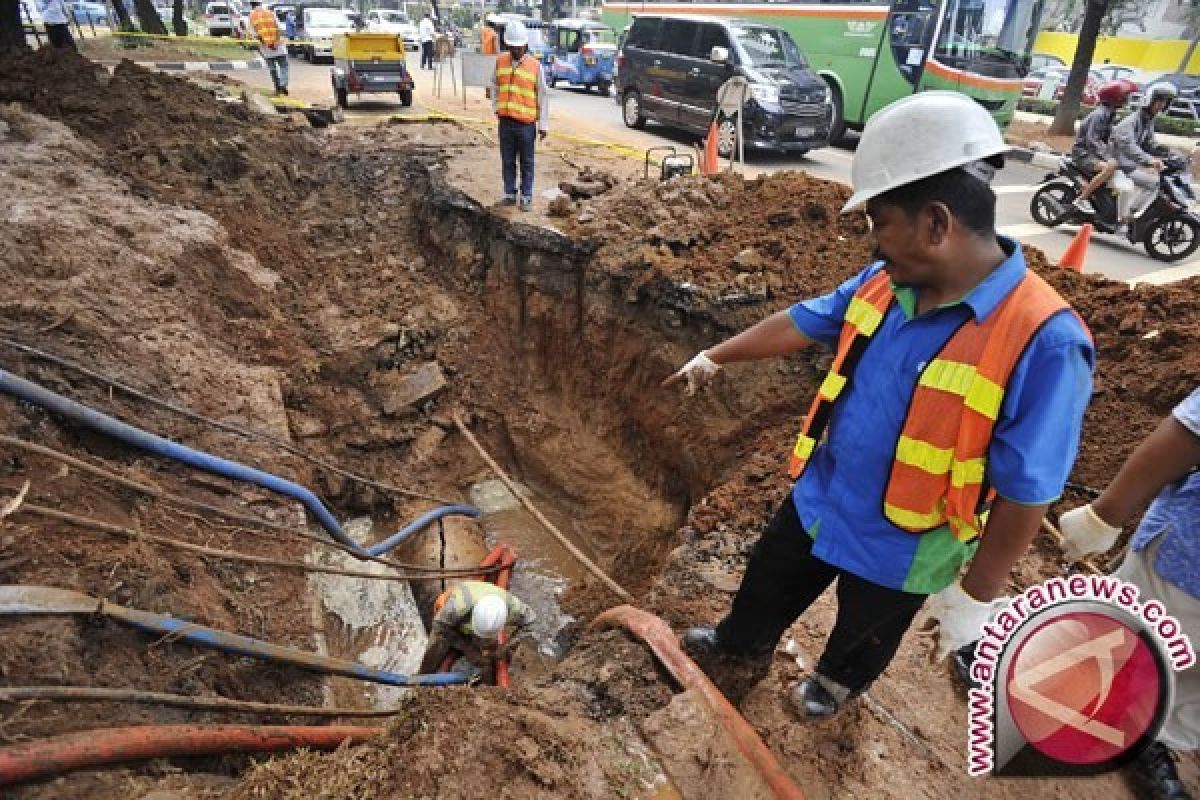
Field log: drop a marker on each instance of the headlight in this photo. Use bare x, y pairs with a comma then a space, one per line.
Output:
765, 93
828, 95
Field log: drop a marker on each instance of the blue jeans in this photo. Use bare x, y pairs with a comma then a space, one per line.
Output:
516, 141
278, 67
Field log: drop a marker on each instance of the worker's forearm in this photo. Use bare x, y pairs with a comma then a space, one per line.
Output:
774, 336
1163, 457
1010, 530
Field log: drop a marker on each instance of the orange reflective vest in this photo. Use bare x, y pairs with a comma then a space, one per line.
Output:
939, 472
490, 43
266, 26
516, 88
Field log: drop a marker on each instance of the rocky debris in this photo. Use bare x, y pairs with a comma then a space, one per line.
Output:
398, 393
589, 183
259, 104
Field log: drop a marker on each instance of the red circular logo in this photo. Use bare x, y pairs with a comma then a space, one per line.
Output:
1083, 688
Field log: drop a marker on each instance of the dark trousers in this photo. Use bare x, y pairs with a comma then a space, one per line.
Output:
517, 143
782, 580
60, 35
426, 55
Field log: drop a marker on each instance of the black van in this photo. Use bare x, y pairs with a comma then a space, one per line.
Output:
670, 67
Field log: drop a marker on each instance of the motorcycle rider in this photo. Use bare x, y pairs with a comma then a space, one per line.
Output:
1091, 150
1135, 148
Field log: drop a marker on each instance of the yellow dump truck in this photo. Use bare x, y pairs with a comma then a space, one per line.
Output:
370, 63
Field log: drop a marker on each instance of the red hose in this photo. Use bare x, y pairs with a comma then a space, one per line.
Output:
661, 640
56, 755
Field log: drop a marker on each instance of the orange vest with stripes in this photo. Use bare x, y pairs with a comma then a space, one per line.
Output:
939, 471
516, 88
266, 26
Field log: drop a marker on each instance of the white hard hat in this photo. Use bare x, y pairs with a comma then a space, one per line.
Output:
919, 136
488, 616
1160, 90
515, 35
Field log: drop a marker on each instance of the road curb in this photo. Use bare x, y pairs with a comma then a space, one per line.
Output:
196, 66
1037, 159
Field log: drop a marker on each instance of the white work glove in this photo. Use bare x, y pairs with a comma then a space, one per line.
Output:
698, 372
1084, 532
960, 618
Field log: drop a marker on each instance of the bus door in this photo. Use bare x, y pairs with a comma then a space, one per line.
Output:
911, 26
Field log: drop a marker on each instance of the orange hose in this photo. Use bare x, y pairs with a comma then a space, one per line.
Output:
505, 556
662, 642
45, 758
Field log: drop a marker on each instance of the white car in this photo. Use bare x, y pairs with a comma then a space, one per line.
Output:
219, 19
386, 21
320, 26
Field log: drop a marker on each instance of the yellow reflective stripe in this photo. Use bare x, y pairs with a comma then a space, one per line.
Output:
913, 520
863, 316
978, 393
967, 472
965, 530
832, 386
804, 446
519, 90
924, 456
516, 105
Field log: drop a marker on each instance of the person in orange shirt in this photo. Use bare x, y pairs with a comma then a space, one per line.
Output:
270, 44
489, 39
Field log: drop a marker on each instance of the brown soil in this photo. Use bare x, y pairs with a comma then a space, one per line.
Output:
285, 279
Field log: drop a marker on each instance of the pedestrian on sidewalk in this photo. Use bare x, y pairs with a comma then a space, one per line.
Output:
1163, 562
270, 44
489, 40
958, 386
54, 17
470, 617
426, 32
520, 100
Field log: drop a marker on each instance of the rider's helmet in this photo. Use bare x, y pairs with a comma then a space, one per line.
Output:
1159, 91
1115, 93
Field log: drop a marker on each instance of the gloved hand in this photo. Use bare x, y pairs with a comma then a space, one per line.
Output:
959, 617
698, 373
1085, 532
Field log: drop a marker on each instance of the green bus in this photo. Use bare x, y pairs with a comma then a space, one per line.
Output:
873, 52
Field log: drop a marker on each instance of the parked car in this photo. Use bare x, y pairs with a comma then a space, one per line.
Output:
672, 66
219, 19
1042, 60
1187, 104
387, 21
318, 26
1112, 72
1032, 85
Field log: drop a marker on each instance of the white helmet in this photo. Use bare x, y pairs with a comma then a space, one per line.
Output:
1160, 90
515, 35
489, 616
919, 136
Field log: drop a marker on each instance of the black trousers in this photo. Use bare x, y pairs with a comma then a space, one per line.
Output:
426, 55
782, 580
60, 35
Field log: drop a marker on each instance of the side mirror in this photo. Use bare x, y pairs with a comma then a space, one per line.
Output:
719, 55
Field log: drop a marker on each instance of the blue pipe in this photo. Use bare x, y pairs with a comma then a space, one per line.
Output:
97, 420
420, 523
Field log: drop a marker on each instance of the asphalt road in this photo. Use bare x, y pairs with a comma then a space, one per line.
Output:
584, 113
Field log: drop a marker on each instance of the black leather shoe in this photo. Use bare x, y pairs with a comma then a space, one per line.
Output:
810, 698
1155, 777
701, 641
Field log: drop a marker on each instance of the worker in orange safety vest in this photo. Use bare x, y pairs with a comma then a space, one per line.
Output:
270, 44
948, 423
489, 40
520, 100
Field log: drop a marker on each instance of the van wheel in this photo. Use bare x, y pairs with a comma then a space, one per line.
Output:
603, 87
631, 110
343, 98
551, 80
837, 125
726, 136
406, 97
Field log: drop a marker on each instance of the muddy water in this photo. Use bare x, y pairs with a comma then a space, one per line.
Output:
544, 568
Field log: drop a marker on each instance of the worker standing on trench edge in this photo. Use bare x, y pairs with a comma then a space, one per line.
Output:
959, 384
469, 617
270, 44
519, 98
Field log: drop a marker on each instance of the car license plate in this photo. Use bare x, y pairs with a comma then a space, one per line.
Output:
804, 132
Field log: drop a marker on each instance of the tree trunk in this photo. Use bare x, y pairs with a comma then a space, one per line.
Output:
177, 20
122, 15
1068, 109
148, 17
1183, 65
12, 28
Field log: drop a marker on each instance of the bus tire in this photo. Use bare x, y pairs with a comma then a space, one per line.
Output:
837, 125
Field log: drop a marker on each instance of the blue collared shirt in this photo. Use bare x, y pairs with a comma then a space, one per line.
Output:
840, 495
1175, 516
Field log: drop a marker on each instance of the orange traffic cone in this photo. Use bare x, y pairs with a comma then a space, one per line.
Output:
711, 163
1073, 256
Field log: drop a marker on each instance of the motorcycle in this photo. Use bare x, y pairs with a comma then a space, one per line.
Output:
1167, 227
